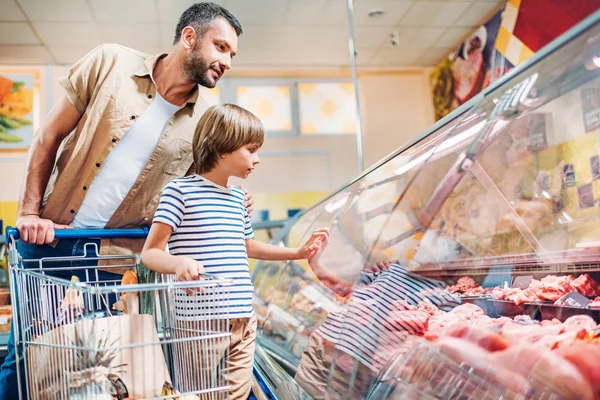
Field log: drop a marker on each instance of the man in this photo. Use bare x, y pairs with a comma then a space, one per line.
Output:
118, 136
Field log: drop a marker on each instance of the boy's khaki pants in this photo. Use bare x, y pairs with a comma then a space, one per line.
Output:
216, 362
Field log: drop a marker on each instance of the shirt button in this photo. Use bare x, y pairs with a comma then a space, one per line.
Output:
72, 211
114, 140
85, 188
98, 164
133, 117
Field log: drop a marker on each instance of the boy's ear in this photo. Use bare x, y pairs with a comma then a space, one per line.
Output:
221, 155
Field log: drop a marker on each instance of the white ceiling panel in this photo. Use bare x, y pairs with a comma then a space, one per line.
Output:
335, 13
434, 13
452, 37
371, 36
431, 58
169, 11
10, 11
257, 38
478, 14
273, 46
25, 55
288, 33
416, 38
68, 54
306, 12
138, 35
69, 33
394, 57
56, 10
17, 33
365, 55
320, 37
258, 12
285, 50
132, 11
460, 1
394, 10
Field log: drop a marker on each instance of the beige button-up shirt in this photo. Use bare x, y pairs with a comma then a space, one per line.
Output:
112, 86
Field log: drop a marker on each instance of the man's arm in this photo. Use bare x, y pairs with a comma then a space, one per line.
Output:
61, 120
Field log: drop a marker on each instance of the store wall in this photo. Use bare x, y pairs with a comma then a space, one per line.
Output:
396, 108
295, 171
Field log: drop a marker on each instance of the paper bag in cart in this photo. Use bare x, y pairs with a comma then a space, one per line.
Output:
134, 355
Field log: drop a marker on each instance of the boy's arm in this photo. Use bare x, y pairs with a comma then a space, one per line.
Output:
266, 251
157, 259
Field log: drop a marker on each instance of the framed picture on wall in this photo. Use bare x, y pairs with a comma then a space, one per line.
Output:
19, 107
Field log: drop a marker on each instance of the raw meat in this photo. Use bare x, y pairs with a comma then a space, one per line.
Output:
586, 286
463, 284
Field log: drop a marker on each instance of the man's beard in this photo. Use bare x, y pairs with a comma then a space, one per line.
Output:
198, 70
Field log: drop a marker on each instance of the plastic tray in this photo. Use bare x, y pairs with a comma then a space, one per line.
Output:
507, 308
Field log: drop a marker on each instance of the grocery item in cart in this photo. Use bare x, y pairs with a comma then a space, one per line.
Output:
129, 302
5, 318
91, 355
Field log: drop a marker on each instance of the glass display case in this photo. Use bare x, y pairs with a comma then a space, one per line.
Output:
466, 264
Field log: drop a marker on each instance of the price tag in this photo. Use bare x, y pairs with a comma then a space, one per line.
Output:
521, 282
4, 319
575, 299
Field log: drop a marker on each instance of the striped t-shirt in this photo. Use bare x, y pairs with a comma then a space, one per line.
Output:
211, 225
378, 316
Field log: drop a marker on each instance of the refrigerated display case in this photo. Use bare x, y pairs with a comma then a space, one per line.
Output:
464, 265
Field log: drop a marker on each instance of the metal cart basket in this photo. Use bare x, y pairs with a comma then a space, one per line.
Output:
83, 332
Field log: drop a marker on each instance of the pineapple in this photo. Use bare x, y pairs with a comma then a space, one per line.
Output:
92, 375
169, 391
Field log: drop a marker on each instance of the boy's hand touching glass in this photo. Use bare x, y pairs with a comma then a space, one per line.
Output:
315, 244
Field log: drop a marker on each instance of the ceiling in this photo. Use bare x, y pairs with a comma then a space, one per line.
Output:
277, 33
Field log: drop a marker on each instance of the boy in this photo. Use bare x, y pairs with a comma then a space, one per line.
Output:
207, 228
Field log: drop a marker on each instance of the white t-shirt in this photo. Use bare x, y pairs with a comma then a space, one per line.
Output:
211, 225
123, 166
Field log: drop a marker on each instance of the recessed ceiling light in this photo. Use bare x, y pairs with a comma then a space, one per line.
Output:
376, 12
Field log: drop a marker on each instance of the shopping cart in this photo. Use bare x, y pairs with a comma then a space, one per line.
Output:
89, 337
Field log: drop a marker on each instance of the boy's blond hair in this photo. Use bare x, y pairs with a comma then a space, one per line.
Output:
223, 129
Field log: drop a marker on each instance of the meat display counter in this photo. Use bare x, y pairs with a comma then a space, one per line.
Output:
466, 265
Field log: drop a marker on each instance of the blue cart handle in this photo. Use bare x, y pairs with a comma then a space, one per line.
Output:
87, 233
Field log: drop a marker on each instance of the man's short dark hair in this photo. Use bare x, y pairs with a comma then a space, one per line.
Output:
200, 15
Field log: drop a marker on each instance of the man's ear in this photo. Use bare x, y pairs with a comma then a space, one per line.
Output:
189, 37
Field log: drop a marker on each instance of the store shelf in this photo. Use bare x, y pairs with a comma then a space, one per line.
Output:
3, 342
576, 260
269, 224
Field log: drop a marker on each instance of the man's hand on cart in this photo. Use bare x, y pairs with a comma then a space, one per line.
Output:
37, 230
187, 269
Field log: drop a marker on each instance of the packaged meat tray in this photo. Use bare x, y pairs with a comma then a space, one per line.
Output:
549, 311
481, 302
507, 308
